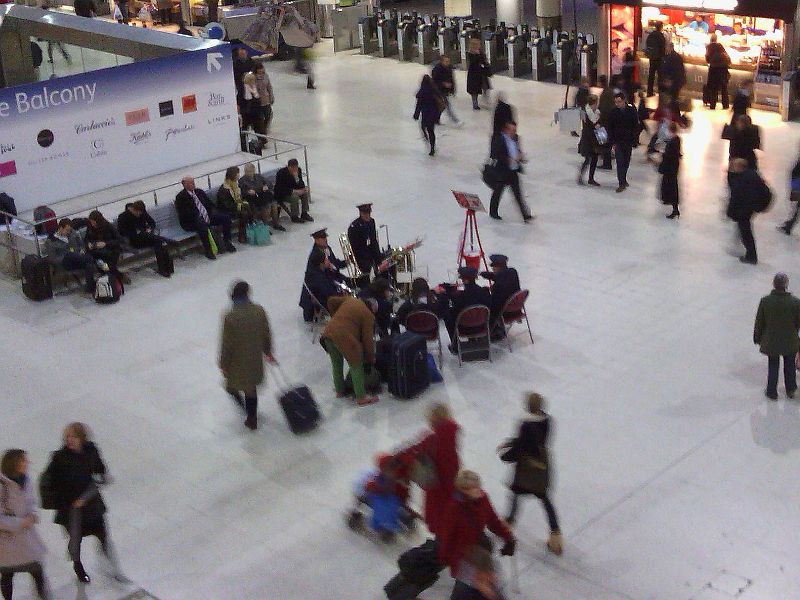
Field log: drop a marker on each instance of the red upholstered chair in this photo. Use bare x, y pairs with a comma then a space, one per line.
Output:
514, 312
426, 324
472, 323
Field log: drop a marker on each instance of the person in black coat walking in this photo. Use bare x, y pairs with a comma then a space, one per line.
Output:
477, 72
445, 82
74, 474
669, 167
746, 186
794, 197
429, 107
718, 75
745, 140
196, 213
505, 151
530, 454
742, 100
503, 113
589, 146
623, 133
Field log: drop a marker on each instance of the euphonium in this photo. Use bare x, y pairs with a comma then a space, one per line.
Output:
352, 268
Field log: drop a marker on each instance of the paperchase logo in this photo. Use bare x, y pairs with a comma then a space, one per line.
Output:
140, 137
173, 132
4, 148
216, 99
97, 148
136, 117
93, 125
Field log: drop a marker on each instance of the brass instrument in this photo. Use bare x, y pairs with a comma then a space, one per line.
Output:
352, 268
403, 260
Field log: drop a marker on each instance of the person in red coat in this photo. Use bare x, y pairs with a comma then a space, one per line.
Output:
441, 446
462, 538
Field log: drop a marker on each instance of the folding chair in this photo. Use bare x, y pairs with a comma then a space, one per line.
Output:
321, 315
426, 324
514, 312
472, 323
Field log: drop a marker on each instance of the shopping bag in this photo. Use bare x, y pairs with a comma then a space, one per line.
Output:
601, 134
212, 245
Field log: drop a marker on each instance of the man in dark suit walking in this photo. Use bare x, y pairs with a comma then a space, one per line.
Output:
623, 133
196, 213
508, 157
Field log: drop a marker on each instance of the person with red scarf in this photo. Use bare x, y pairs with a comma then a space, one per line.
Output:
440, 446
463, 543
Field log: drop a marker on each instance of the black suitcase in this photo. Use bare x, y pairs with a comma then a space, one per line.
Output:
164, 263
408, 365
383, 357
706, 95
36, 283
419, 570
299, 406
400, 588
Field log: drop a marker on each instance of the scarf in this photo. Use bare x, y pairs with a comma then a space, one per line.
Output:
233, 187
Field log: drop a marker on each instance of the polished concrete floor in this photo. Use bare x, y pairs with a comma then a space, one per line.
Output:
676, 478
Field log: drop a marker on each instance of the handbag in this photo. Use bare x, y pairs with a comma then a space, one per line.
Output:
601, 135
423, 472
532, 475
212, 245
727, 131
490, 173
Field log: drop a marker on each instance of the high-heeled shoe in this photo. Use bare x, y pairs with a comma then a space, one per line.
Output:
674, 215
81, 573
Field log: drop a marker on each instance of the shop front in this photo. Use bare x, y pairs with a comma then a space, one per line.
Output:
758, 35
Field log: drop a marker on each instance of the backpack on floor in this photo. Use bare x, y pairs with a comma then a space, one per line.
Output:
45, 217
108, 289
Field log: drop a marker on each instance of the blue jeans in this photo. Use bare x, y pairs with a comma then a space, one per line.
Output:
73, 261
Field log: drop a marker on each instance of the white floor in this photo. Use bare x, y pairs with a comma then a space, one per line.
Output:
676, 478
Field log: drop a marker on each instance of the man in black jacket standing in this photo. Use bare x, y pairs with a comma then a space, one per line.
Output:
363, 237
508, 157
289, 185
442, 76
196, 213
672, 76
654, 48
747, 187
623, 133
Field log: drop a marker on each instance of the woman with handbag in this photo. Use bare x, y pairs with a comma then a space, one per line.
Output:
669, 167
72, 479
589, 144
794, 196
21, 548
532, 471
477, 68
430, 105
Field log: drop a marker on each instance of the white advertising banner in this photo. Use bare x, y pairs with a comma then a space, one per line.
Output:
79, 134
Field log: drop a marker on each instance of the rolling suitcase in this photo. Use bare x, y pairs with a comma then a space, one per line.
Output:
164, 262
408, 365
298, 405
419, 570
36, 283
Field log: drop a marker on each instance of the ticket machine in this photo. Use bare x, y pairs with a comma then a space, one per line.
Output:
543, 64
518, 52
387, 34
368, 33
428, 41
470, 29
448, 40
407, 38
565, 57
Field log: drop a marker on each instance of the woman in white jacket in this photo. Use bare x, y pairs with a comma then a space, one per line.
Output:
21, 548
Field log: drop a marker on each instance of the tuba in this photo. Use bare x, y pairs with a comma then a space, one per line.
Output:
353, 270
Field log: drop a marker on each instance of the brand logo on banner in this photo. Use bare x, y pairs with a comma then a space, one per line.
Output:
140, 137
135, 117
94, 125
50, 157
8, 168
215, 99
45, 138
173, 132
98, 148
189, 103
6, 148
220, 120
166, 108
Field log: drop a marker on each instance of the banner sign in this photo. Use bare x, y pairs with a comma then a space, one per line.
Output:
75, 135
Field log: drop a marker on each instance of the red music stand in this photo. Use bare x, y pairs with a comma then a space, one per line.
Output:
471, 203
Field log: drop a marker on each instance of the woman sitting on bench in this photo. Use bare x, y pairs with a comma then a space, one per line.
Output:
103, 243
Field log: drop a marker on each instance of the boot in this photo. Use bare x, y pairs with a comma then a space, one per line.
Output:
80, 572
555, 543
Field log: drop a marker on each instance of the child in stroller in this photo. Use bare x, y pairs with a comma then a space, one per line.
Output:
385, 490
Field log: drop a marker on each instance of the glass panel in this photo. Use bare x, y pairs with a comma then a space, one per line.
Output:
59, 59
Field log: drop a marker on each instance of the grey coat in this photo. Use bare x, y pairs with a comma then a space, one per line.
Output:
246, 338
57, 249
18, 546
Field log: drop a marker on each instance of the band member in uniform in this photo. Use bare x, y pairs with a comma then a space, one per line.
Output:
321, 242
319, 281
505, 282
363, 237
461, 299
380, 290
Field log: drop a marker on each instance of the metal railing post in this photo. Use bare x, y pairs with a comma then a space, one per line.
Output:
155, 197
305, 166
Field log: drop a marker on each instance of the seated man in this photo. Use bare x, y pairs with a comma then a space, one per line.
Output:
321, 243
139, 228
318, 282
66, 249
196, 213
289, 186
380, 291
505, 283
421, 298
255, 191
461, 299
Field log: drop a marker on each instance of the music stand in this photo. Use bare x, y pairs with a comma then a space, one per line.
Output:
471, 203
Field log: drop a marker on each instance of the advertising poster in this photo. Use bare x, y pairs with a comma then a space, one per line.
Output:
79, 134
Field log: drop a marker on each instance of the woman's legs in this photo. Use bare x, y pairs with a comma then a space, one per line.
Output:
592, 168
582, 170
512, 511
552, 518
6, 583
37, 573
475, 102
431, 135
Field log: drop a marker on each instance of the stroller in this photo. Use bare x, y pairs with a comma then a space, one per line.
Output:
385, 492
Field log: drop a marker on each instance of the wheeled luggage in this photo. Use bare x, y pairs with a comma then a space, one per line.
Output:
36, 283
164, 262
408, 365
419, 570
298, 405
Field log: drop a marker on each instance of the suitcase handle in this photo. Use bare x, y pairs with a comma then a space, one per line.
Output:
281, 380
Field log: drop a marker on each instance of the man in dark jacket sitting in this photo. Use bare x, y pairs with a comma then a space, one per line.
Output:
139, 228
460, 299
289, 186
505, 282
196, 213
65, 248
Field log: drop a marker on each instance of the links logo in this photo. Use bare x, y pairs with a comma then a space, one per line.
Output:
45, 138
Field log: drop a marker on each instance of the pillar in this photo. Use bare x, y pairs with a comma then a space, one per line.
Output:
457, 8
548, 13
510, 12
